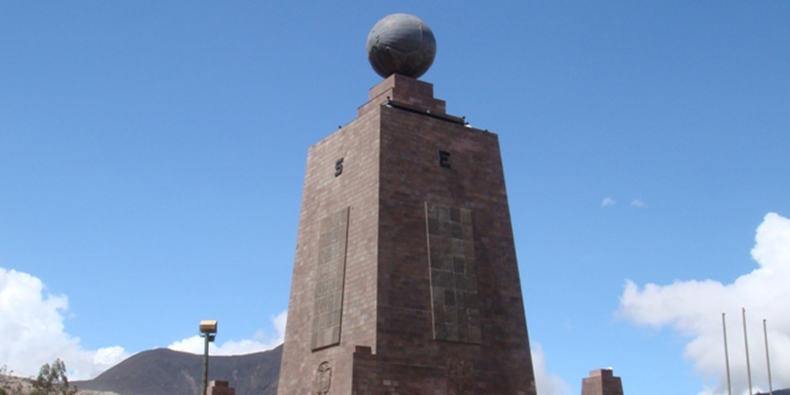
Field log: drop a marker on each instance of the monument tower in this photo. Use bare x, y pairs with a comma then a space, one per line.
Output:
405, 278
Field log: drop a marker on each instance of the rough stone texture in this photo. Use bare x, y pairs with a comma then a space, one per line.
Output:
217, 387
602, 382
391, 181
330, 268
453, 272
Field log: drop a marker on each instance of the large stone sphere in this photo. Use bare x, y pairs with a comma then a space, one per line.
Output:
401, 44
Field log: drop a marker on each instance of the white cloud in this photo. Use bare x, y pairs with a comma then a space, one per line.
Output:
638, 203
279, 325
259, 341
31, 326
693, 308
546, 383
608, 202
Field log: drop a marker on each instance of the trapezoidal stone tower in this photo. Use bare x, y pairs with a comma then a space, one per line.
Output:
602, 382
405, 278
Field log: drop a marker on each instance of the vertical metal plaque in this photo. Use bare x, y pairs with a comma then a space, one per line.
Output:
330, 274
453, 272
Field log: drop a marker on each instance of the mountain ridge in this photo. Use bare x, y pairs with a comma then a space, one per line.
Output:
163, 371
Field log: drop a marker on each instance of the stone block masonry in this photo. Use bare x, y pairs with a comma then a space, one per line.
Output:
602, 382
423, 295
217, 387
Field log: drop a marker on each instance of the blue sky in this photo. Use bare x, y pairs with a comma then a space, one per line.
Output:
152, 156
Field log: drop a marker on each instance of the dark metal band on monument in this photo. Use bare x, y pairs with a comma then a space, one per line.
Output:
330, 273
454, 298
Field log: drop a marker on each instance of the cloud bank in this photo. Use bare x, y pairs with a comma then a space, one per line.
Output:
694, 309
546, 383
259, 342
33, 333
31, 326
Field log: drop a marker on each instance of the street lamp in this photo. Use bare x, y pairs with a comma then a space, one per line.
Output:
208, 331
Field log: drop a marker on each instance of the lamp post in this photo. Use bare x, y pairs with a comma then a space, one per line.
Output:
208, 331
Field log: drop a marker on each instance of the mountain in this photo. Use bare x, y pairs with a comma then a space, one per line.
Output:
167, 372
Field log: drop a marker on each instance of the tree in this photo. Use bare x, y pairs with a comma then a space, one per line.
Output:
52, 380
8, 388
12, 390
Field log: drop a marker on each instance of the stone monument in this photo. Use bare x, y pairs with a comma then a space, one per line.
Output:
602, 382
405, 278
218, 387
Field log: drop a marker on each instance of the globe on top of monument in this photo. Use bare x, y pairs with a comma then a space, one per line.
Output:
401, 44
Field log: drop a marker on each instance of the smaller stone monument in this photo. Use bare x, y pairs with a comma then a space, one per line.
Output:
217, 387
602, 382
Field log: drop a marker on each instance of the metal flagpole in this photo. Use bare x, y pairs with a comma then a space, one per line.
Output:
746, 343
767, 358
726, 355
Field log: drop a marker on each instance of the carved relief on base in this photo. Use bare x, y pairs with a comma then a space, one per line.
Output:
460, 377
323, 379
